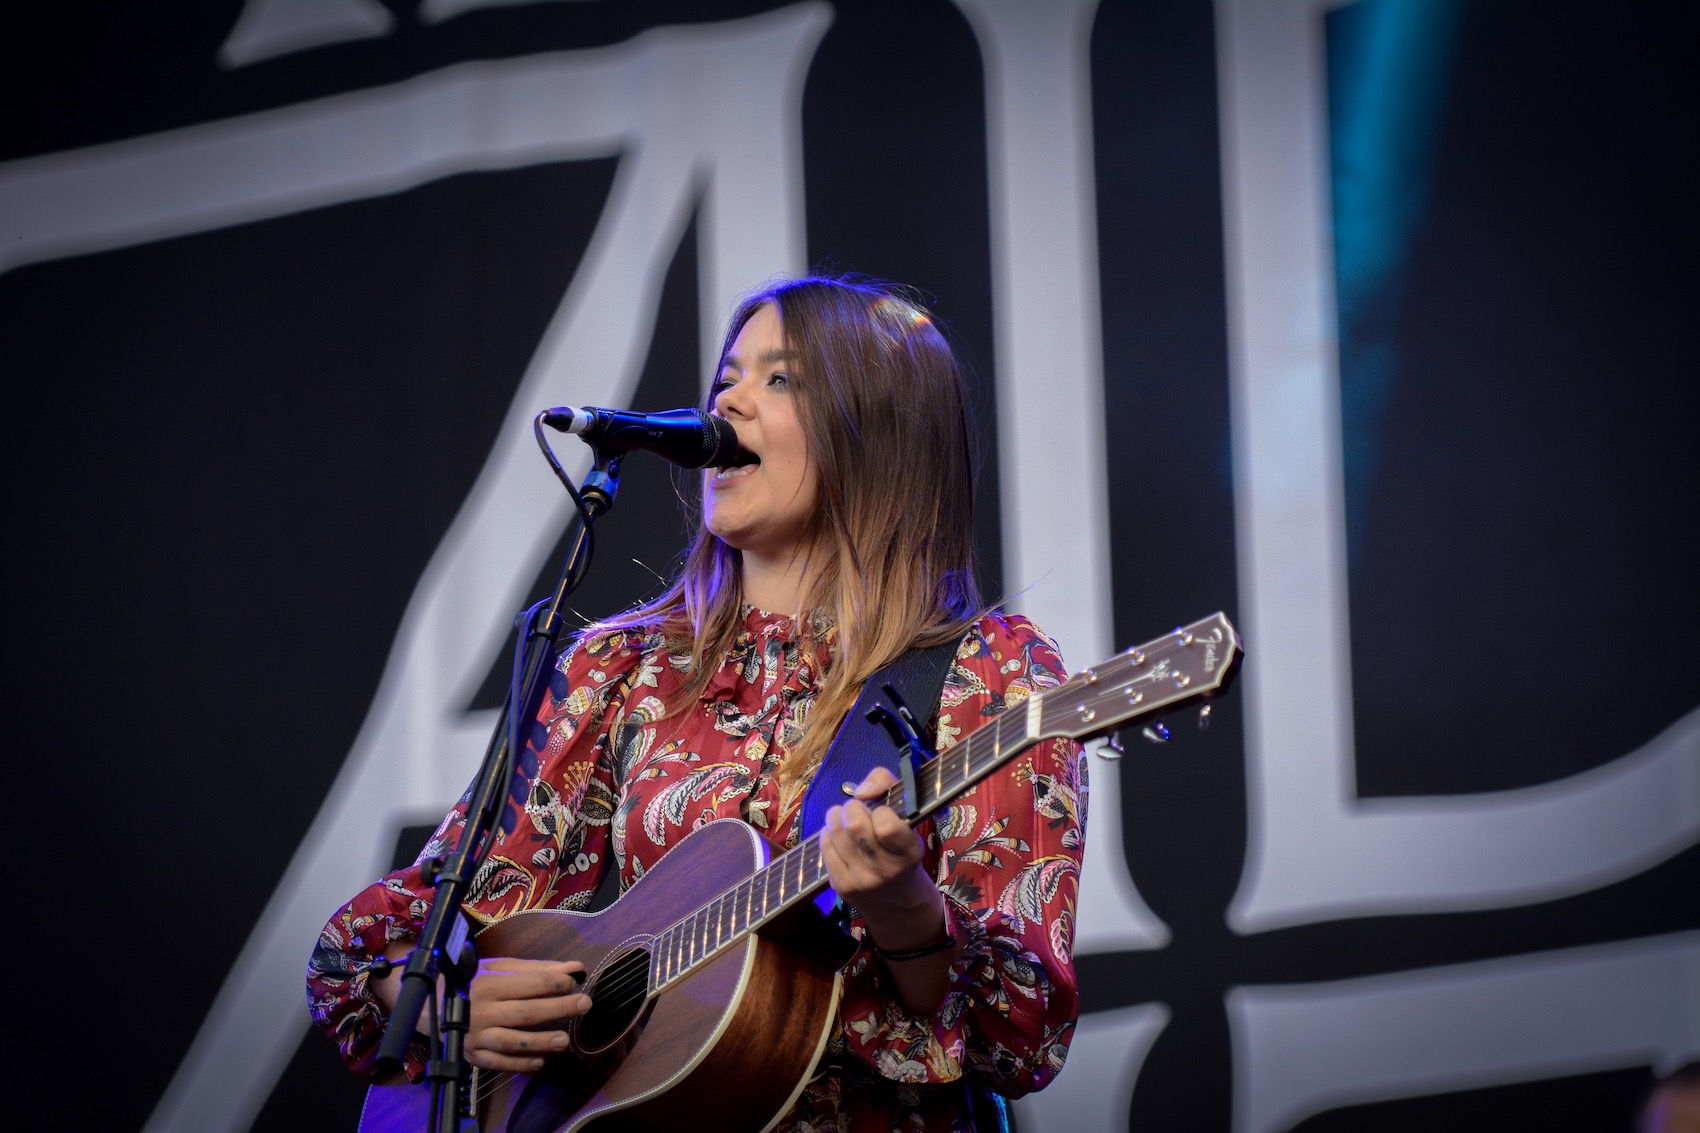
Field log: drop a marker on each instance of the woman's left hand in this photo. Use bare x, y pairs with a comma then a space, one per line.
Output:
873, 858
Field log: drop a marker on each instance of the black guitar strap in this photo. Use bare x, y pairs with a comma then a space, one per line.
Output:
861, 745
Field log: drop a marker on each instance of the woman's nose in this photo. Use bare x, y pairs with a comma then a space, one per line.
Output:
729, 402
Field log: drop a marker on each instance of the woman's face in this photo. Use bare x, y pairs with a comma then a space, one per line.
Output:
763, 509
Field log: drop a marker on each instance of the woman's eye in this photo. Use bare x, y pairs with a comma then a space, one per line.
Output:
779, 379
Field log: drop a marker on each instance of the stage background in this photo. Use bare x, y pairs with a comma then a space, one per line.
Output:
1371, 325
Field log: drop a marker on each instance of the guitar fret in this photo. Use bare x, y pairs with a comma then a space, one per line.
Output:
1109, 690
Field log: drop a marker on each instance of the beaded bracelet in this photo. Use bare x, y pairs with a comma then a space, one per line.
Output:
916, 953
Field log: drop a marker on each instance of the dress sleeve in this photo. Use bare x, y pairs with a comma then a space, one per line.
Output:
551, 852
1006, 855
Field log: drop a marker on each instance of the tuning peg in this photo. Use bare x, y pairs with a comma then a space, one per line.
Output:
1157, 732
1112, 750
1204, 718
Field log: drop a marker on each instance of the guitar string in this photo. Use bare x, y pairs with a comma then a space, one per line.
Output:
962, 756
956, 762
1075, 693
680, 951
680, 946
625, 988
631, 985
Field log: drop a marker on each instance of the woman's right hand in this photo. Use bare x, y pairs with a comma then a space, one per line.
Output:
517, 1006
513, 1004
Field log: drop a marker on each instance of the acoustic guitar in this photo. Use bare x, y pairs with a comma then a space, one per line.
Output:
724, 1008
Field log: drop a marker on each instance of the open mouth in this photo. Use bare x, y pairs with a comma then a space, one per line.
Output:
743, 459
740, 460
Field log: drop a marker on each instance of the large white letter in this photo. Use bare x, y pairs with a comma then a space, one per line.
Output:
696, 127
1304, 1048
1315, 851
1050, 379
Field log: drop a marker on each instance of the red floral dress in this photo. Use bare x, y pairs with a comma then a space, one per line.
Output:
605, 782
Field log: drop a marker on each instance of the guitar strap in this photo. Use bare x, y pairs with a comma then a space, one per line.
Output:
861, 745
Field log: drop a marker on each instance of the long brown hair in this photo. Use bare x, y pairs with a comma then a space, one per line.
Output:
884, 406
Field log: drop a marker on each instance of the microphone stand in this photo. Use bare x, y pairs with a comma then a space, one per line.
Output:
444, 950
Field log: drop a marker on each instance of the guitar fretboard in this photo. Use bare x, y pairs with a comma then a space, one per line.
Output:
1192, 663
798, 873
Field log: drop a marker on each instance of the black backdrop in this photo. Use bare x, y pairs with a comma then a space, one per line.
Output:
233, 453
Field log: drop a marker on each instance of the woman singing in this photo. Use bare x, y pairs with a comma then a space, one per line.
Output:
846, 540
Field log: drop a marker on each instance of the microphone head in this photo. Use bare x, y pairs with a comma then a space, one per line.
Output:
691, 438
720, 443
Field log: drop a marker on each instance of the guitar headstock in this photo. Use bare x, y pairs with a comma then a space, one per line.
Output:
1193, 663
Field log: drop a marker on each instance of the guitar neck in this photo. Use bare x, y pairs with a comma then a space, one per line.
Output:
1193, 663
798, 874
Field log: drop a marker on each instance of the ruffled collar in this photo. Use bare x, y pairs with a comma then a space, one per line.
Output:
765, 639
760, 623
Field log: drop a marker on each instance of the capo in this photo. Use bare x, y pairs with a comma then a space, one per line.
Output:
913, 750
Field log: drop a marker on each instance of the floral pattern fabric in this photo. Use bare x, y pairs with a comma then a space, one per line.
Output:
606, 783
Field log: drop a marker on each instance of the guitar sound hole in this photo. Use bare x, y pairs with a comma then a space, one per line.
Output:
617, 994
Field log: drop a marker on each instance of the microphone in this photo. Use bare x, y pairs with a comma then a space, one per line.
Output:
692, 438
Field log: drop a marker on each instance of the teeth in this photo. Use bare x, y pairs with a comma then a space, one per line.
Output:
729, 473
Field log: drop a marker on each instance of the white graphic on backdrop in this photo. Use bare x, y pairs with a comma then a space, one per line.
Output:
268, 28
1316, 852
695, 127
1050, 378
688, 116
1305, 1049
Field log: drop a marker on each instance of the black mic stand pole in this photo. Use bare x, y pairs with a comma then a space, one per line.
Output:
443, 949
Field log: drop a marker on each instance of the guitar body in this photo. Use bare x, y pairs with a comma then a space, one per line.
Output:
667, 1060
